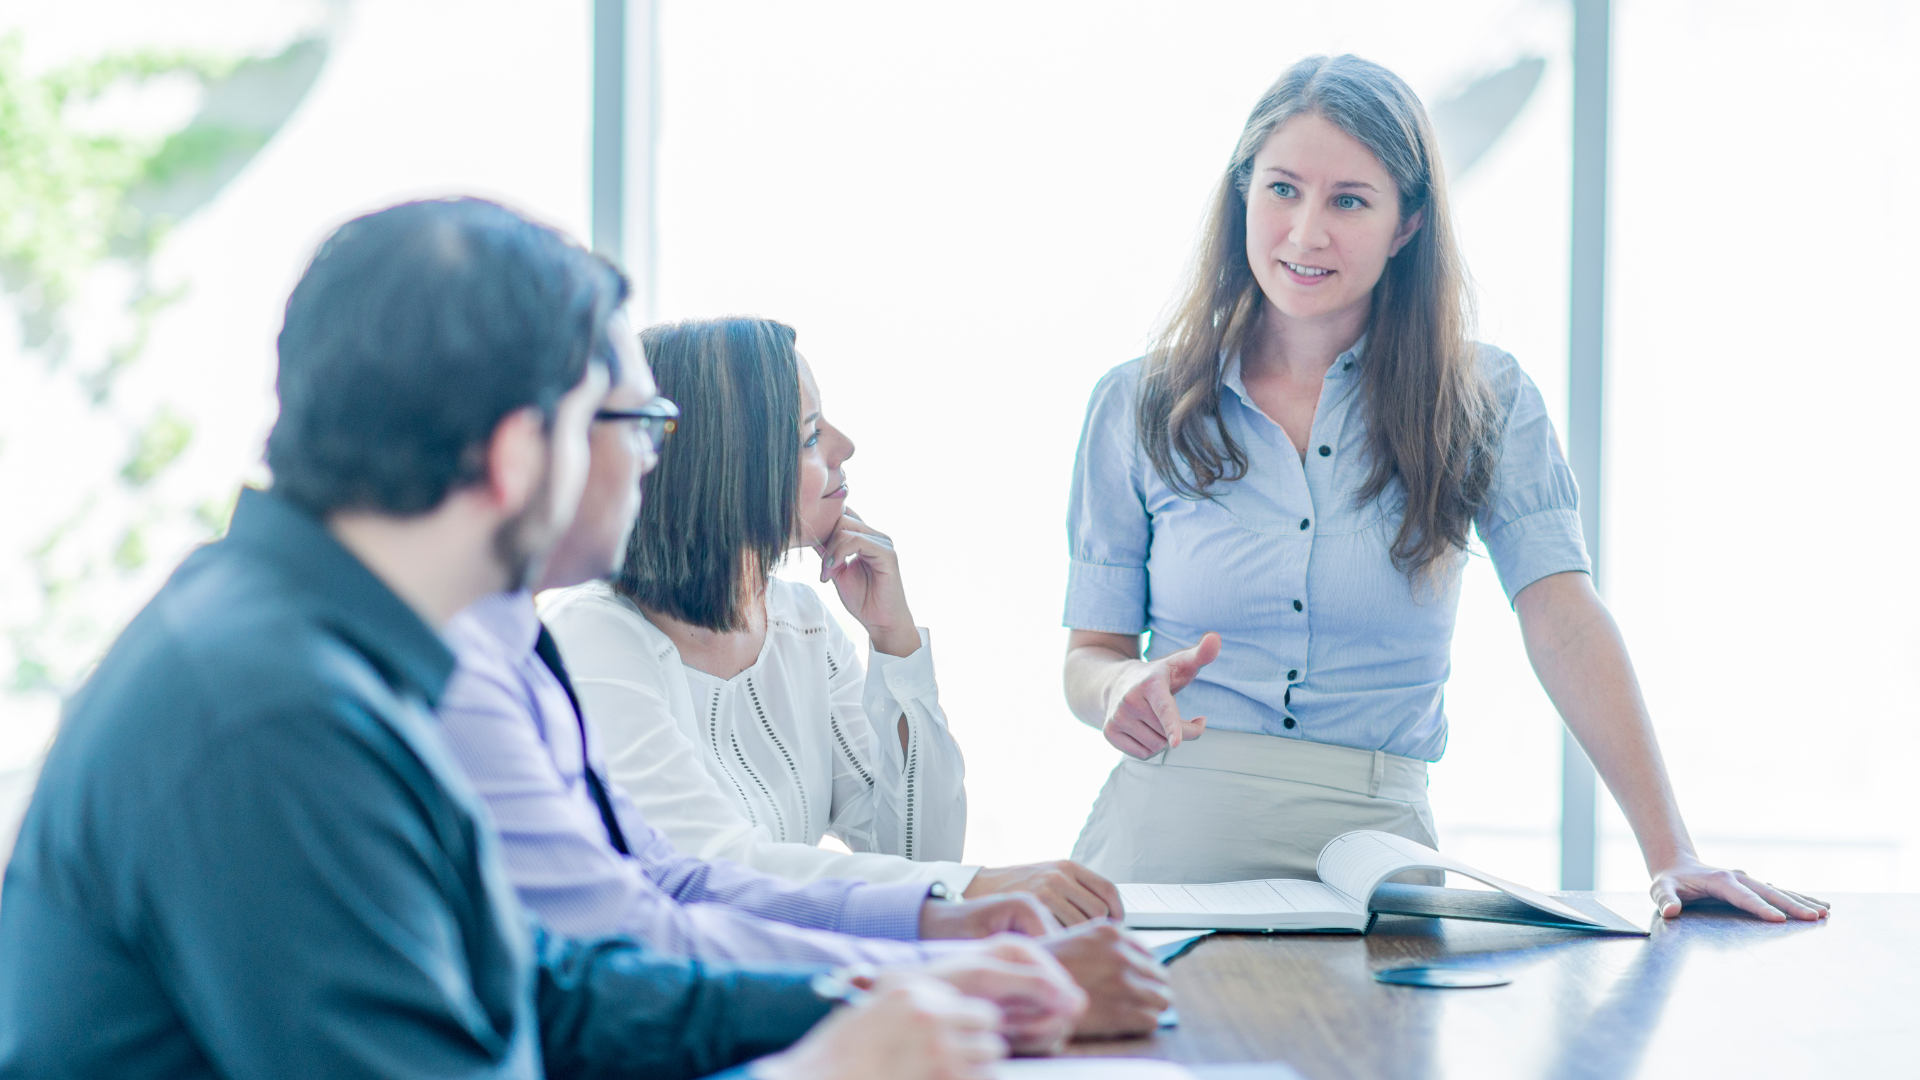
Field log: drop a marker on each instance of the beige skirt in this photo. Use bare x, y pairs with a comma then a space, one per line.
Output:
1233, 806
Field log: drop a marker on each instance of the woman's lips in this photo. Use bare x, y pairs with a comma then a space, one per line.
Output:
1307, 280
837, 493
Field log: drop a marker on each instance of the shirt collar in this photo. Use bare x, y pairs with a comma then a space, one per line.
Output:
508, 620
1343, 366
349, 598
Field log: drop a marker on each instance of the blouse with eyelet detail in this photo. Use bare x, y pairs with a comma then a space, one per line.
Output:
759, 767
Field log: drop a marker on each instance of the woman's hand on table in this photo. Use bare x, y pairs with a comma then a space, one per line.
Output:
1691, 879
1072, 892
863, 566
1142, 718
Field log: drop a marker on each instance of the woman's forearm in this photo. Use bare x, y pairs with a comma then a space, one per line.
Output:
1578, 653
1095, 661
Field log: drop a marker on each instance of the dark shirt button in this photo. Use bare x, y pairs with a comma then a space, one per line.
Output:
1348, 366
1288, 721
1292, 674
1287, 698
1298, 606
1304, 523
1326, 451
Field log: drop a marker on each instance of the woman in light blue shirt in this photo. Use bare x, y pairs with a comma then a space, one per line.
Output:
1280, 496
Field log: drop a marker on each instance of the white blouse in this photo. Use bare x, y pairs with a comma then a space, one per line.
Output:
757, 768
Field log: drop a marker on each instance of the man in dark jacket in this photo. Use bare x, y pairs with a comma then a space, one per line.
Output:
249, 854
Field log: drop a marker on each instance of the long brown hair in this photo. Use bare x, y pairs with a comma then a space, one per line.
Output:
1432, 423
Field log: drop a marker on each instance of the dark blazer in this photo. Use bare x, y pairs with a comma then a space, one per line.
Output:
249, 855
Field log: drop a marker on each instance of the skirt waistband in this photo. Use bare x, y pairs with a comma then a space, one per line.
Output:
1364, 772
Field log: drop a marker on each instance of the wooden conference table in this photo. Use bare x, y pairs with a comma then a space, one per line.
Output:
1712, 994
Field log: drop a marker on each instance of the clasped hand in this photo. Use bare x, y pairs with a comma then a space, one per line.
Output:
1126, 987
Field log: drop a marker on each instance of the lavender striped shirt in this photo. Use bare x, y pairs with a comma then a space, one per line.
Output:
513, 730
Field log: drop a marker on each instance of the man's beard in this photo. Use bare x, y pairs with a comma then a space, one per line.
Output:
518, 542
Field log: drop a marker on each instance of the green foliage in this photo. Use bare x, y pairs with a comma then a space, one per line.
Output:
73, 198
65, 210
156, 446
63, 189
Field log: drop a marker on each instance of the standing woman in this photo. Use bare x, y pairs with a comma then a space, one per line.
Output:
1280, 495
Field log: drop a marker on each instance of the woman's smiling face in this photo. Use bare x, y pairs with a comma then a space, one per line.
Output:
1323, 218
823, 485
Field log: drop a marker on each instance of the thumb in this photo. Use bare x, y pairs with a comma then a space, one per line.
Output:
1185, 664
1666, 900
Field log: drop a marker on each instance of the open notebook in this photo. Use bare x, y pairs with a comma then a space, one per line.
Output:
1352, 867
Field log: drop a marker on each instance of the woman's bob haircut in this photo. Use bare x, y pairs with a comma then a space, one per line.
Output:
1432, 422
720, 505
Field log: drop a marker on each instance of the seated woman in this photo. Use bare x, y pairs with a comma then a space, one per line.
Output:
732, 708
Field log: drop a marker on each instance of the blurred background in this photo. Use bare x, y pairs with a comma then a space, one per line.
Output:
969, 214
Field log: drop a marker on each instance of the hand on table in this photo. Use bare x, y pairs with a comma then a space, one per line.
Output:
1037, 998
1015, 913
1142, 719
860, 561
1072, 892
1126, 987
1691, 879
913, 1027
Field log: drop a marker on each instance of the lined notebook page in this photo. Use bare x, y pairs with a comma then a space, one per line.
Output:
1357, 862
1235, 898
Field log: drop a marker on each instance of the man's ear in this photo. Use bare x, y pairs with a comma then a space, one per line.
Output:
1406, 231
516, 460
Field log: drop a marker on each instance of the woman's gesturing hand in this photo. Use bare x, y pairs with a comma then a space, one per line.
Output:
1691, 879
860, 561
1142, 719
913, 1027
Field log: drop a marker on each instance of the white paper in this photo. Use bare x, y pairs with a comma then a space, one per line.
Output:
1067, 1068
1164, 943
1228, 898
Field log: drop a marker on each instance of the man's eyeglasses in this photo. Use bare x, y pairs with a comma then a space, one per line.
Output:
656, 420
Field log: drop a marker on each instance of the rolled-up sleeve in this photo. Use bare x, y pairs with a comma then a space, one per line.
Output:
1108, 531
1530, 523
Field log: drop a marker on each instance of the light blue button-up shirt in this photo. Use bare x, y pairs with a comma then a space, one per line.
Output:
1317, 626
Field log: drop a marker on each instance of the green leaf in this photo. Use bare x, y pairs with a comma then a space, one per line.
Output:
156, 447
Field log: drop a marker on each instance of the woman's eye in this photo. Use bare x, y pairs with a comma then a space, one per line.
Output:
1283, 189
811, 440
1349, 202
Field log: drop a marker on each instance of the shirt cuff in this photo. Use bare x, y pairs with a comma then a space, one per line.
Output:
905, 677
1539, 545
889, 911
955, 877
1107, 599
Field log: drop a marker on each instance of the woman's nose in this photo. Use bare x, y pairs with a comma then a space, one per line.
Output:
1308, 231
